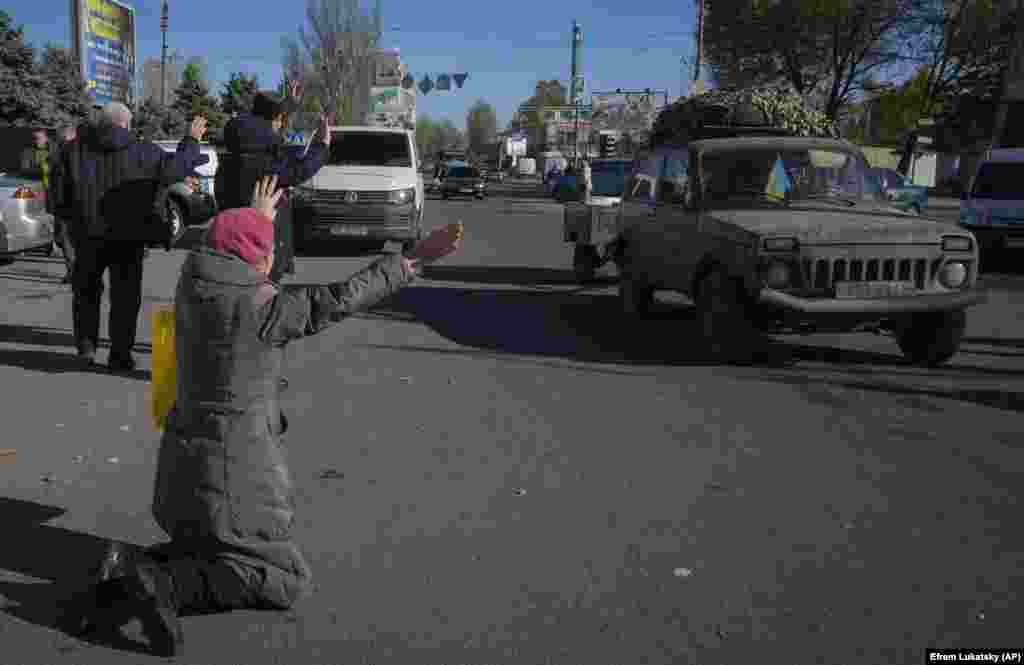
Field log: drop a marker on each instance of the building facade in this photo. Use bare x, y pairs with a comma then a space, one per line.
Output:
389, 104
151, 78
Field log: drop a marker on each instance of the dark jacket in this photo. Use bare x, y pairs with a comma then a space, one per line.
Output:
255, 151
106, 178
221, 471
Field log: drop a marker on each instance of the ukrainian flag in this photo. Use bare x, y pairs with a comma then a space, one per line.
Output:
778, 183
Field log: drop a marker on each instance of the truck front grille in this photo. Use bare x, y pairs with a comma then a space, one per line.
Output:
824, 273
337, 196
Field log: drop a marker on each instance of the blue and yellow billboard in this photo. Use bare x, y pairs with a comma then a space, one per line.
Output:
105, 45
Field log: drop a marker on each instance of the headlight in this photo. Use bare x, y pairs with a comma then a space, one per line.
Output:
479, 185
953, 275
956, 244
776, 275
779, 244
400, 196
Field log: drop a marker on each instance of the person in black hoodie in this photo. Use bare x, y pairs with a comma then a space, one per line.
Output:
105, 183
256, 148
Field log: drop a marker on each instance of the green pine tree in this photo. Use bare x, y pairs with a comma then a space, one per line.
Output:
193, 98
23, 97
154, 122
71, 103
238, 94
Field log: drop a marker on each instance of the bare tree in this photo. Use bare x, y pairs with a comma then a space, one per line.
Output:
823, 49
333, 56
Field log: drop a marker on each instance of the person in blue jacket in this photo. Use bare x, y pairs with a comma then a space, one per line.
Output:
257, 148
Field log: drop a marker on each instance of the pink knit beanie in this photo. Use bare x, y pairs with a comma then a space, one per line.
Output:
243, 232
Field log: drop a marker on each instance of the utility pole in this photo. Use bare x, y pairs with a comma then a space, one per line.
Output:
698, 88
576, 87
163, 56
1012, 84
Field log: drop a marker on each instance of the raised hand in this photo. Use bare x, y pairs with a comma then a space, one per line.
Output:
264, 198
198, 128
325, 129
295, 89
438, 244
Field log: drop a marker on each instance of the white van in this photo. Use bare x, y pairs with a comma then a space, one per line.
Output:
992, 207
369, 191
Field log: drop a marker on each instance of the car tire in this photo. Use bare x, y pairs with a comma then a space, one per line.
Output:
444, 196
932, 338
723, 317
480, 197
176, 220
584, 262
635, 295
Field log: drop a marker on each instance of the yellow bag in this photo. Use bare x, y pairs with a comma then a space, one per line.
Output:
164, 373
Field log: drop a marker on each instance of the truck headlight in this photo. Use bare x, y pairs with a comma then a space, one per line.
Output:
776, 275
400, 196
953, 275
779, 244
956, 244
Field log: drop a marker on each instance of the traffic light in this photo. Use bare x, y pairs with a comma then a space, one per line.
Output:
609, 145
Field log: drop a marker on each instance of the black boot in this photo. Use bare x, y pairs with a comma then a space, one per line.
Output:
137, 580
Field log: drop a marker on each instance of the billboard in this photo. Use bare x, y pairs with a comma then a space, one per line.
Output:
104, 43
625, 111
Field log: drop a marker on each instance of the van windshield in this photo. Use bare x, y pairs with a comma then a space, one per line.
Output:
369, 149
1002, 181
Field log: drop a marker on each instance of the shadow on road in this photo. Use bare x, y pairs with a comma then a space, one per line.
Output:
995, 341
35, 549
54, 362
43, 336
589, 327
500, 275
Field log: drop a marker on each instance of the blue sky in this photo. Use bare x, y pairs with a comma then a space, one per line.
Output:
504, 46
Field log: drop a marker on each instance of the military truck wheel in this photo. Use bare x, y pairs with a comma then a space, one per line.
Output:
932, 338
635, 295
723, 317
585, 262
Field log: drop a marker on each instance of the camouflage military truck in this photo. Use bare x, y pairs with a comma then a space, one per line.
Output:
750, 204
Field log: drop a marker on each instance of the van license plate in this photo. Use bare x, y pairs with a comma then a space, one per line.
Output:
349, 230
1015, 243
874, 289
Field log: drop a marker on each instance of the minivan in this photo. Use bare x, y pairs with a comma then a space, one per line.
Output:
992, 207
369, 192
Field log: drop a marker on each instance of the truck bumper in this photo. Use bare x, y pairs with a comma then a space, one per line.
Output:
870, 307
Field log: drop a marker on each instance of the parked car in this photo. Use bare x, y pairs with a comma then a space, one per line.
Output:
992, 207
785, 235
24, 223
463, 181
192, 201
900, 191
370, 191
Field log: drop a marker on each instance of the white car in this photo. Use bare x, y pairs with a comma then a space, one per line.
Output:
190, 203
24, 223
370, 191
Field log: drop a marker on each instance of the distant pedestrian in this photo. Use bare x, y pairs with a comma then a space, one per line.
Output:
104, 187
37, 159
223, 492
257, 148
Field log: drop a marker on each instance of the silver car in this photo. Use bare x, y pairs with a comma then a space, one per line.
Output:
24, 223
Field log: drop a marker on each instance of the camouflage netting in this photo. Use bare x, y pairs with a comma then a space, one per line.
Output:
747, 107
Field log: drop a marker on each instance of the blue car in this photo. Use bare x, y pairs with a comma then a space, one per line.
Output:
900, 191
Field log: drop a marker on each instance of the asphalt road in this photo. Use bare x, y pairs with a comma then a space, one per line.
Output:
495, 467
